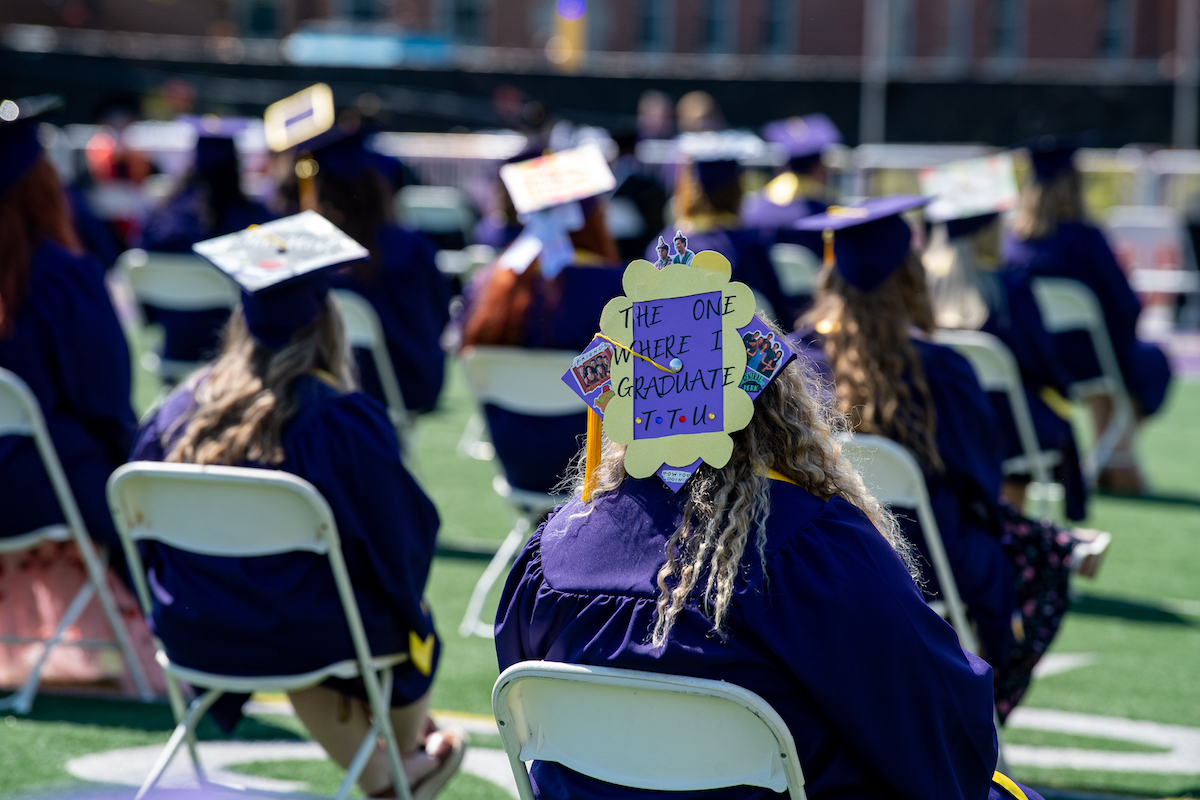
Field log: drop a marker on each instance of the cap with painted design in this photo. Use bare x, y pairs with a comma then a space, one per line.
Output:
869, 241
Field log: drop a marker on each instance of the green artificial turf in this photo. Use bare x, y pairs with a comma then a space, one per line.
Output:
1147, 648
1055, 739
324, 778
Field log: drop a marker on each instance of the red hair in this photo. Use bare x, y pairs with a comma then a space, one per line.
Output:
34, 208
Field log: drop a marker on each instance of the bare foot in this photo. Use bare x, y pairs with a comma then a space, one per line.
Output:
425, 760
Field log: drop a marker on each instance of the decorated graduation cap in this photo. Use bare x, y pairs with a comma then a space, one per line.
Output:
19, 146
968, 194
283, 269
546, 192
803, 137
717, 156
675, 369
298, 118
1053, 154
868, 241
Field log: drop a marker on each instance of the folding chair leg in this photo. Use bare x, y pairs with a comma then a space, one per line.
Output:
471, 443
500, 563
22, 701
96, 572
380, 697
181, 733
1001, 761
368, 746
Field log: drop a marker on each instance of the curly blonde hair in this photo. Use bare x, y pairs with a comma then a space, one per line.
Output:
725, 510
878, 376
242, 404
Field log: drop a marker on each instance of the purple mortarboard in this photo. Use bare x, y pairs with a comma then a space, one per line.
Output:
1051, 154
957, 228
869, 240
717, 155
803, 137
19, 146
282, 268
215, 137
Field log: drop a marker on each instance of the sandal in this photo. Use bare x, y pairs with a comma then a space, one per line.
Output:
435, 781
1088, 554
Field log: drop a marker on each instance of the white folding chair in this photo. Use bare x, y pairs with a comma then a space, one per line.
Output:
177, 282
364, 330
235, 512
436, 210
463, 263
1068, 305
524, 382
608, 724
895, 478
20, 415
996, 370
796, 267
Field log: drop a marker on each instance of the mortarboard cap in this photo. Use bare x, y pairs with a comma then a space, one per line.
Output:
965, 226
870, 240
557, 178
717, 155
969, 187
802, 137
1052, 154
299, 118
19, 146
282, 268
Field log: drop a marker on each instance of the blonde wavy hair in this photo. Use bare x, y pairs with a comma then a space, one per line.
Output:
960, 276
878, 377
243, 402
1044, 205
725, 510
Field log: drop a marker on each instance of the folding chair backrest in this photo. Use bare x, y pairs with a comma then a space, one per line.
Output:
364, 330
1068, 305
892, 474
178, 281
642, 729
220, 511
18, 406
996, 370
796, 267
521, 380
435, 209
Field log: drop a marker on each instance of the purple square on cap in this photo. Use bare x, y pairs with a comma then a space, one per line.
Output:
803, 136
870, 240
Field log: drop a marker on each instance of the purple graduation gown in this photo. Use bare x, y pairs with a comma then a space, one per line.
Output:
1080, 252
964, 495
564, 314
412, 300
831, 631
173, 228
69, 347
281, 614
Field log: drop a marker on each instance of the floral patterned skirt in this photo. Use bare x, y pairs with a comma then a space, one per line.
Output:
1040, 553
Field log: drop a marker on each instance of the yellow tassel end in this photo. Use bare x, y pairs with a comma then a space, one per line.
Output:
593, 455
828, 237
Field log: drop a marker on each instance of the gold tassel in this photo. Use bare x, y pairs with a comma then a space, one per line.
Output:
593, 455
827, 235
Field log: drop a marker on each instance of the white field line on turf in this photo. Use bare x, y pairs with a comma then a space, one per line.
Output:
130, 766
1058, 663
1182, 742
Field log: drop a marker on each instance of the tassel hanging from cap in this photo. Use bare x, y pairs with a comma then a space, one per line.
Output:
827, 235
592, 464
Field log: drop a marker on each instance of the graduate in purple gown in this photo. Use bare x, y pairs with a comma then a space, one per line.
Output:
1050, 239
799, 189
281, 396
778, 572
526, 308
60, 334
868, 331
208, 203
401, 280
708, 199
970, 290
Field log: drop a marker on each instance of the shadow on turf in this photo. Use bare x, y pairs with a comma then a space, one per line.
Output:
1165, 499
1128, 608
121, 713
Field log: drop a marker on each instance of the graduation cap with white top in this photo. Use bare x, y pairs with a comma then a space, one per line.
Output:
282, 268
546, 192
675, 369
969, 189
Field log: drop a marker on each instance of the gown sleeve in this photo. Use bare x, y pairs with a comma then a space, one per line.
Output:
513, 643
1117, 298
893, 682
387, 525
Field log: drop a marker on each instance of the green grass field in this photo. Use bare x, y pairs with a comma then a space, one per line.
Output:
1145, 640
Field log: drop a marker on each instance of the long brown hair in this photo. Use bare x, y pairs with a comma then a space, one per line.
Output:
878, 376
725, 510
34, 208
243, 403
360, 206
498, 314
1044, 205
693, 200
